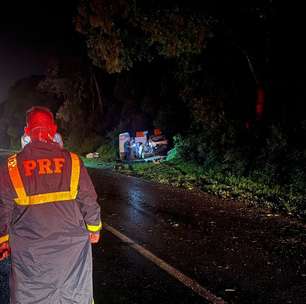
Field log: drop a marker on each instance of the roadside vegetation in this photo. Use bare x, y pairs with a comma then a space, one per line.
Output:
208, 83
266, 182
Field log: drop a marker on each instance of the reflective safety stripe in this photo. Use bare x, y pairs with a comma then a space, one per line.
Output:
4, 238
24, 199
94, 228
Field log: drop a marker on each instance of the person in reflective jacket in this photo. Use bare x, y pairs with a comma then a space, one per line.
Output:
49, 216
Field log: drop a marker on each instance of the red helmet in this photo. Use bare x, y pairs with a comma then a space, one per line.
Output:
40, 121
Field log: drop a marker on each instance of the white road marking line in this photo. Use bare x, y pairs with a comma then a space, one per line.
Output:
187, 281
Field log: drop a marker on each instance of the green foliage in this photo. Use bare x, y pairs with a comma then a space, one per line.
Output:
175, 32
120, 34
262, 164
22, 96
162, 173
188, 175
266, 170
15, 134
79, 113
96, 163
172, 154
107, 152
84, 144
226, 175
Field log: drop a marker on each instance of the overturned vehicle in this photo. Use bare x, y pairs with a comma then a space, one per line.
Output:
143, 146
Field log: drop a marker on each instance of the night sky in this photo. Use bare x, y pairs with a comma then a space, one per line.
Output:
30, 32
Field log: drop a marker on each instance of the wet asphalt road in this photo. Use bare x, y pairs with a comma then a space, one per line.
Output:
121, 274
240, 254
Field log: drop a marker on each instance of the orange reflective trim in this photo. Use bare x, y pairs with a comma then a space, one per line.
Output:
24, 199
4, 238
15, 176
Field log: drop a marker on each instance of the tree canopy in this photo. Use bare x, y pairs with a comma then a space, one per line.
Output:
120, 35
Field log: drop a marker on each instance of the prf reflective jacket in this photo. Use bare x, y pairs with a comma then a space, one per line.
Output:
24, 199
48, 206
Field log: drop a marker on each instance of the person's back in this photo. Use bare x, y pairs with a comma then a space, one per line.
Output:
51, 203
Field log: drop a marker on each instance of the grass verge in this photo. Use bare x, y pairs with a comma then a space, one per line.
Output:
181, 174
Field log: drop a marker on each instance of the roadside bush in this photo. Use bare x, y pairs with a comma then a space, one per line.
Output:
14, 136
261, 165
82, 145
107, 151
172, 154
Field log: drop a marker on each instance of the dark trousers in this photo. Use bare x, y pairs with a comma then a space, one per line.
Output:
5, 267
